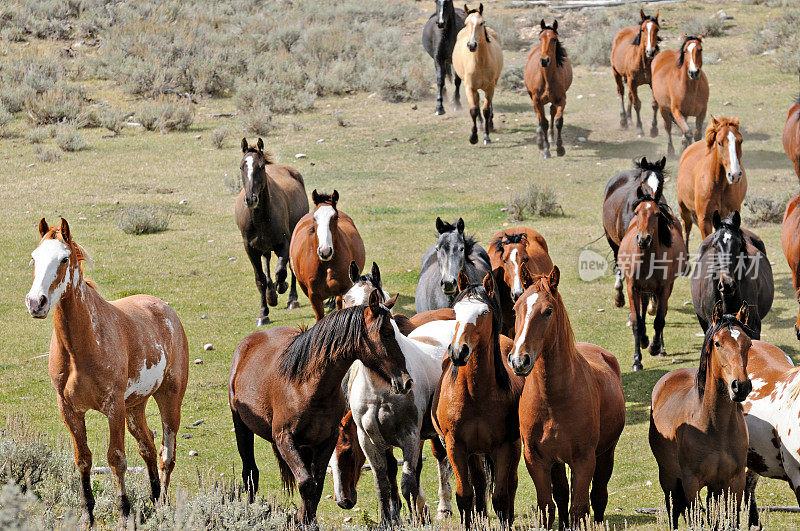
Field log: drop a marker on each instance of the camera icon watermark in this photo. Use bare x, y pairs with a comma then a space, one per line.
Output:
591, 265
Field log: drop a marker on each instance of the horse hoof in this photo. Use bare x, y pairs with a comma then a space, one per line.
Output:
443, 514
644, 342
486, 141
292, 305
282, 287
272, 298
623, 124
619, 300
546, 154
637, 366
473, 138
262, 321
654, 132
439, 112
560, 151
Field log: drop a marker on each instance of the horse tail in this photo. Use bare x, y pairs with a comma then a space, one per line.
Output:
287, 477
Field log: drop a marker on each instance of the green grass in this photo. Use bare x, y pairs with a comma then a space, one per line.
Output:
393, 191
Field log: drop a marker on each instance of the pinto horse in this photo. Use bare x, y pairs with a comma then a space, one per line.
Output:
285, 386
452, 253
511, 251
324, 242
572, 409
790, 241
632, 51
478, 60
651, 255
680, 89
791, 135
711, 177
698, 433
474, 409
438, 39
110, 356
548, 76
272, 201
732, 268
621, 192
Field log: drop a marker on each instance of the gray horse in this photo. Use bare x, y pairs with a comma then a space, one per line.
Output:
453, 252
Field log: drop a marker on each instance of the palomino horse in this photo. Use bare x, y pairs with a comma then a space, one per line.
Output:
772, 412
285, 386
790, 241
698, 433
324, 243
651, 255
478, 60
548, 76
272, 201
791, 135
572, 409
632, 51
438, 39
110, 357
680, 89
511, 251
621, 192
732, 268
474, 409
711, 177
452, 253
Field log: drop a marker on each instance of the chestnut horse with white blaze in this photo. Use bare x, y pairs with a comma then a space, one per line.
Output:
511, 251
711, 177
478, 60
791, 135
790, 241
572, 409
698, 433
680, 89
324, 243
109, 356
548, 76
632, 51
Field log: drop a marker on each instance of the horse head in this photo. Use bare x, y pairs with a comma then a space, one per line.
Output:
723, 135
652, 174
254, 176
692, 55
549, 45
476, 310
363, 285
652, 220
724, 354
513, 251
450, 253
729, 244
326, 219
444, 13
648, 27
535, 326
476, 25
346, 463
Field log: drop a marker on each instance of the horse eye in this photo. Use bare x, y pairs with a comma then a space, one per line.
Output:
548, 312
716, 344
64, 260
720, 142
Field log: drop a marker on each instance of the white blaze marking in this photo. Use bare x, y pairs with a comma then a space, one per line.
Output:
735, 334
726, 237
689, 48
149, 378
249, 161
649, 27
322, 217
521, 339
652, 181
467, 312
517, 288
735, 166
46, 261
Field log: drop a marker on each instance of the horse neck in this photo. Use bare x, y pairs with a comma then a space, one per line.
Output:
262, 210
478, 374
328, 380
718, 168
74, 316
717, 407
555, 365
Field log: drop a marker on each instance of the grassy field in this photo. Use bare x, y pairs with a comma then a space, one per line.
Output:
396, 167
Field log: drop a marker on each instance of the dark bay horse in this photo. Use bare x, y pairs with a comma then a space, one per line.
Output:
791, 135
438, 39
511, 251
622, 191
452, 253
698, 433
285, 386
324, 243
272, 201
474, 409
632, 51
109, 356
680, 89
732, 269
790, 241
548, 76
651, 255
572, 409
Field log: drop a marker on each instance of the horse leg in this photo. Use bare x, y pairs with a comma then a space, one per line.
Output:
440, 75
604, 466
487, 114
544, 144
379, 463
654, 123
272, 294
409, 485
542, 481
319, 465
244, 443
480, 482
306, 484
465, 496
316, 305
169, 401
666, 116
637, 323
506, 461
558, 122
293, 304
698, 125
750, 497
558, 475
662, 302
681, 121
445, 509
391, 467
645, 302
116, 456
637, 104
76, 424
582, 473
623, 118
422, 503
280, 269
686, 221
619, 296
261, 283
552, 137
474, 112
457, 92
137, 426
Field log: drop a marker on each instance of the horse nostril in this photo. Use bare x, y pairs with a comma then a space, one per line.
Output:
526, 361
408, 384
42, 301
464, 352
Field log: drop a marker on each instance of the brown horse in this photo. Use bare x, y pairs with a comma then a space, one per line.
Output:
651, 255
478, 60
698, 433
548, 76
711, 177
680, 89
511, 251
474, 409
285, 386
324, 243
272, 201
790, 241
110, 357
632, 51
791, 135
572, 409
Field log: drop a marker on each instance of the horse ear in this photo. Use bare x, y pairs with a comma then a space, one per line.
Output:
736, 218
65, 230
525, 278
315, 197
543, 25
553, 278
463, 281
439, 225
480, 9
735, 122
656, 15
641, 12
43, 227
389, 303
711, 133
555, 26
375, 303
260, 144
643, 162
244, 145
717, 314
700, 38
744, 313
466, 9
335, 197
376, 275
353, 271
662, 163
460, 225
488, 282
716, 220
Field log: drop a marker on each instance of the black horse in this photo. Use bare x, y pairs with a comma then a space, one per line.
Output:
439, 38
732, 268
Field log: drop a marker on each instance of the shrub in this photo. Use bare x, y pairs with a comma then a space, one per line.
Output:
258, 121
112, 119
707, 27
592, 46
63, 102
512, 79
68, 138
145, 219
218, 137
507, 32
765, 209
5, 119
40, 134
166, 115
26, 458
780, 34
535, 201
232, 185
13, 96
47, 155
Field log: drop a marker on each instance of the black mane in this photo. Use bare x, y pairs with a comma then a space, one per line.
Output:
665, 219
686, 41
507, 239
726, 320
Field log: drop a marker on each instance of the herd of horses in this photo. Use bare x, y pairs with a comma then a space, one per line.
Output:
488, 369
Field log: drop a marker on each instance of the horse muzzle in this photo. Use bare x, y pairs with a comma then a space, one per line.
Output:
472, 46
649, 53
726, 285
461, 356
449, 287
545, 61
251, 201
516, 294
347, 503
734, 177
740, 390
402, 384
521, 364
38, 307
325, 254
440, 24
644, 242
694, 74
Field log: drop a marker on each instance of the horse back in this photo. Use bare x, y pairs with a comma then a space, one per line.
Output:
672, 397
352, 239
291, 185
621, 48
